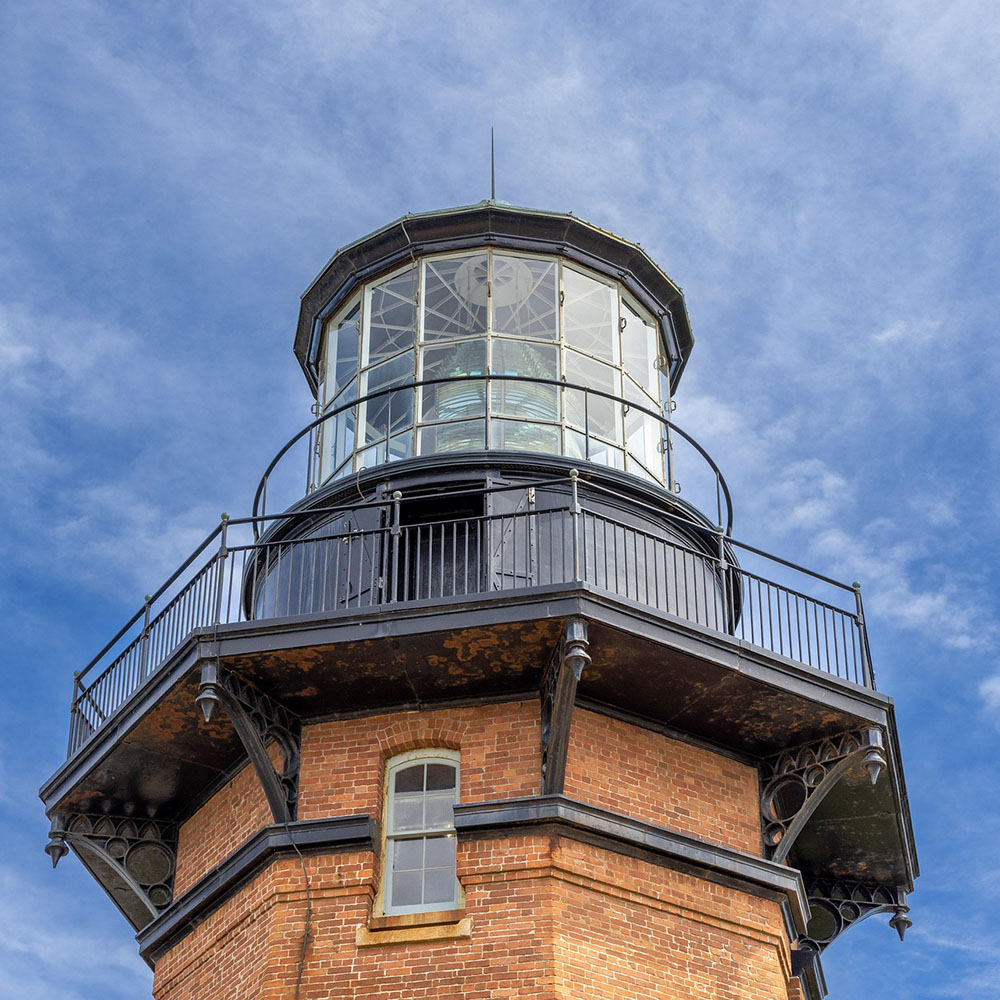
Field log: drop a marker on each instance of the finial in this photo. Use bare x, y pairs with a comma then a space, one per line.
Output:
900, 922
493, 170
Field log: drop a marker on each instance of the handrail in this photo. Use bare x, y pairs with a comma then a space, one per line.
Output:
488, 379
380, 566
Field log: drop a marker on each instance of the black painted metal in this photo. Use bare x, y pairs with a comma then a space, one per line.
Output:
558, 694
133, 858
491, 224
837, 905
795, 783
258, 721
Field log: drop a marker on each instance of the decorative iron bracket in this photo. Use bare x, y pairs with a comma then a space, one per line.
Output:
140, 853
258, 720
837, 905
795, 782
558, 693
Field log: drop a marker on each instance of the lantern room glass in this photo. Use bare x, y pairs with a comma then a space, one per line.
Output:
526, 318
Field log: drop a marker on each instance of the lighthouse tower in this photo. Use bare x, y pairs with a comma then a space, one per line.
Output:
492, 702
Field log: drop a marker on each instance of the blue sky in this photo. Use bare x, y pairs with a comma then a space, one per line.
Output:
821, 179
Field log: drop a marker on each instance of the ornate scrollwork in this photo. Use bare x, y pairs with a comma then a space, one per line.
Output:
836, 905
140, 855
558, 692
258, 721
794, 783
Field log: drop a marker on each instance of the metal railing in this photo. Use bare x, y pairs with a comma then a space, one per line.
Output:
397, 563
705, 487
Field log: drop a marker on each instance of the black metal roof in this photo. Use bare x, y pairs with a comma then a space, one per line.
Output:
492, 223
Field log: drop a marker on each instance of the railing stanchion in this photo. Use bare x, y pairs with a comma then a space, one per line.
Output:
724, 580
220, 562
574, 477
868, 674
144, 641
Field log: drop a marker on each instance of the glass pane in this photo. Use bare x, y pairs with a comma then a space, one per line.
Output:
465, 436
525, 399
643, 440
595, 414
393, 310
639, 348
439, 852
338, 440
400, 446
406, 888
440, 776
397, 406
439, 885
455, 297
590, 315
408, 855
440, 810
343, 342
525, 297
521, 435
604, 454
410, 779
450, 401
408, 813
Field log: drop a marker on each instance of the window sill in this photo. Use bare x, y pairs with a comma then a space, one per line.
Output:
441, 925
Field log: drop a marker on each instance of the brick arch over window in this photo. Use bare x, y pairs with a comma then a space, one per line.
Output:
419, 733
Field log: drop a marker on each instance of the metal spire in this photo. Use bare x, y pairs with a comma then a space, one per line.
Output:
493, 170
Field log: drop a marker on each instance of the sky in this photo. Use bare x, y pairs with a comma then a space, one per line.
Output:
820, 179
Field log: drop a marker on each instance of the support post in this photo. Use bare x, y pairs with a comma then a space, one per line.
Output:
559, 683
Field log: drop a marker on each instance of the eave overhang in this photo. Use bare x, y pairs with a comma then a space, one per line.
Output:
495, 224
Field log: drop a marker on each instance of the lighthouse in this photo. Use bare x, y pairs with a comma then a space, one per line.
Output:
483, 695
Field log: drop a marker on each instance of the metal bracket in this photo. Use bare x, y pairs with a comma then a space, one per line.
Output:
133, 858
558, 693
795, 782
837, 905
258, 720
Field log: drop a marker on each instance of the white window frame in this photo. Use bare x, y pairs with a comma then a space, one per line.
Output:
390, 837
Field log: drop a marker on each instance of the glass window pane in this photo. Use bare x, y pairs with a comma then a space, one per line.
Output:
439, 852
439, 885
410, 779
338, 440
465, 436
406, 888
400, 446
525, 399
460, 399
343, 342
408, 855
439, 810
639, 349
455, 297
392, 325
408, 813
590, 315
440, 776
525, 297
522, 435
397, 406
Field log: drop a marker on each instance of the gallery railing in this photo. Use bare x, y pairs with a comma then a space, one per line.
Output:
759, 599
600, 425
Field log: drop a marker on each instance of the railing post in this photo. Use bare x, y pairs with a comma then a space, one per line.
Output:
724, 579
220, 562
396, 533
574, 476
868, 675
144, 642
74, 723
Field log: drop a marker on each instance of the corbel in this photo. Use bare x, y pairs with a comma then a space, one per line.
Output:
795, 782
558, 695
258, 720
837, 905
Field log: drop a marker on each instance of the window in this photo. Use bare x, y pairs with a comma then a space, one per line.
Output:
422, 789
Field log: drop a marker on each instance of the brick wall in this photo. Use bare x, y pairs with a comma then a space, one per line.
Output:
659, 780
552, 917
